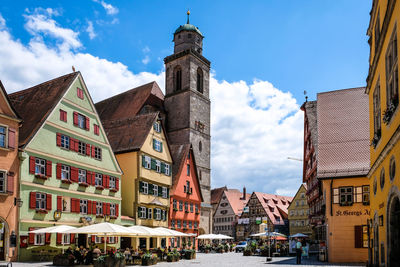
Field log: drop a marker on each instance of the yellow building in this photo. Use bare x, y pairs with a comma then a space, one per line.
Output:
383, 91
298, 213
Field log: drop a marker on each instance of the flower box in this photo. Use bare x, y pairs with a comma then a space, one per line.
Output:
113, 190
99, 187
41, 176
41, 211
83, 184
66, 181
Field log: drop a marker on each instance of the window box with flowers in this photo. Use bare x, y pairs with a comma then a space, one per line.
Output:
99, 216
83, 184
99, 187
43, 211
388, 113
41, 176
66, 181
377, 137
175, 209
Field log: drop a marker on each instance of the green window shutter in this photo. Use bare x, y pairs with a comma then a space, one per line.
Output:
143, 161
160, 189
160, 146
162, 167
153, 164
138, 212
167, 192
155, 127
150, 189
154, 144
147, 212
141, 187
154, 213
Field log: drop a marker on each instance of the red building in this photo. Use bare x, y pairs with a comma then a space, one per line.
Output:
186, 197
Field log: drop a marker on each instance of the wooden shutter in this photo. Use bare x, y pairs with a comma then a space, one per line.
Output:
76, 145
71, 144
87, 150
75, 118
31, 239
77, 206
94, 204
58, 139
151, 189
72, 239
116, 183
32, 165
48, 168
153, 164
93, 151
162, 167
32, 200
93, 239
167, 192
11, 138
358, 236
93, 178
74, 174
143, 161
161, 148
89, 207
48, 201
59, 203
47, 238
141, 187
87, 120
108, 208
154, 144
58, 171
104, 181
89, 177
160, 190
59, 238
10, 184
117, 210
104, 208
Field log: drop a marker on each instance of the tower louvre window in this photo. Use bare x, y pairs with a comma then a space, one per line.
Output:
199, 80
178, 78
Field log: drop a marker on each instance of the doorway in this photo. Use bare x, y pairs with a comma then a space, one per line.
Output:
82, 240
126, 242
2, 241
376, 245
394, 232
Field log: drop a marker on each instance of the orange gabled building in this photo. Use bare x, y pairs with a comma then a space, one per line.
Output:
186, 197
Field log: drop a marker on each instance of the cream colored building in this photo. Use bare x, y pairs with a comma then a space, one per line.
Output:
298, 213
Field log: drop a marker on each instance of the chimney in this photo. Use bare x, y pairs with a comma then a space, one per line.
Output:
244, 193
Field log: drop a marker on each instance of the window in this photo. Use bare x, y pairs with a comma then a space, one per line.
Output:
3, 182
81, 121
81, 148
174, 204
40, 166
67, 239
178, 78
149, 213
3, 136
297, 203
173, 223
112, 183
179, 224
157, 145
164, 215
40, 201
98, 239
145, 188
142, 212
188, 169
113, 210
392, 97
40, 239
199, 80
392, 169
98, 180
186, 207
155, 190
184, 224
147, 161
158, 214
165, 192
99, 209
65, 141
291, 212
382, 179
97, 153
79, 92
157, 127
190, 224
180, 205
158, 166
197, 208
377, 32
167, 169
82, 176
195, 225
365, 196
96, 129
191, 207
302, 203
302, 195
111, 240
65, 172
63, 115
377, 114
83, 206
346, 196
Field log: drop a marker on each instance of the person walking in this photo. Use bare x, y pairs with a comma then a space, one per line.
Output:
298, 251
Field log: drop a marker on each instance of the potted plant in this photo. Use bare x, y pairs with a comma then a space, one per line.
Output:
208, 248
220, 248
100, 261
171, 257
247, 252
148, 259
177, 255
64, 260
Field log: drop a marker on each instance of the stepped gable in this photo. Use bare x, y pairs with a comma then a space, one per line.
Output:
129, 104
275, 206
129, 134
35, 104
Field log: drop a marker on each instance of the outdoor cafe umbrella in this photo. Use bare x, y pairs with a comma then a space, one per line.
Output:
298, 235
59, 229
147, 231
171, 232
208, 236
224, 236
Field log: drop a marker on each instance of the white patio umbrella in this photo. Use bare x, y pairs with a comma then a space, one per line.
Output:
208, 236
298, 235
104, 229
224, 236
172, 232
146, 231
59, 229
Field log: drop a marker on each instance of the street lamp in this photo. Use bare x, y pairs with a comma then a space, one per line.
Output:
18, 202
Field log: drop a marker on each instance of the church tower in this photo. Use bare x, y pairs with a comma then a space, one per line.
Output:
187, 103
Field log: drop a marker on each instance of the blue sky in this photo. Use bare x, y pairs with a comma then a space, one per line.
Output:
267, 52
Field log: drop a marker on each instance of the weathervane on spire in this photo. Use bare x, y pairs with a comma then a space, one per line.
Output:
188, 14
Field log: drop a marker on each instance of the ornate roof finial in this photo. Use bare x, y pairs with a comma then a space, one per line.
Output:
188, 14
73, 69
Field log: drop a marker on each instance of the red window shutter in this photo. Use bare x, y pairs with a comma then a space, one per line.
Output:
358, 236
93, 151
58, 139
76, 145
31, 240
93, 178
59, 238
108, 208
87, 123
10, 184
58, 171
87, 150
104, 181
72, 144
116, 239
48, 168
108, 240
32, 200
94, 203
89, 207
117, 210
96, 129
59, 203
88, 177
32, 165
77, 205
72, 239
48, 201
74, 174
75, 118
73, 205
104, 208
117, 184
47, 238
11, 138
93, 239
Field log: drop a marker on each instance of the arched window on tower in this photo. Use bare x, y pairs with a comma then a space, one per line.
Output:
178, 78
200, 80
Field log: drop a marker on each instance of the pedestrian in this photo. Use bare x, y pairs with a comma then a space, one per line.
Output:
298, 251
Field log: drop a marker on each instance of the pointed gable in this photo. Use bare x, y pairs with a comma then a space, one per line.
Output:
275, 206
36, 103
131, 102
6, 107
236, 200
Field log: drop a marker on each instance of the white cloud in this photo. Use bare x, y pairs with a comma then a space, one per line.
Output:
90, 30
110, 9
2, 22
146, 49
255, 126
146, 60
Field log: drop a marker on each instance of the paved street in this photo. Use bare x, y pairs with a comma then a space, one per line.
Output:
226, 259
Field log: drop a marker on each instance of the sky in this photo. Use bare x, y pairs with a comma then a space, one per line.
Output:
264, 56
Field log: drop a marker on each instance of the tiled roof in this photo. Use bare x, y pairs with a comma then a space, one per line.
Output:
235, 198
7, 99
275, 206
216, 194
129, 134
130, 103
343, 133
34, 104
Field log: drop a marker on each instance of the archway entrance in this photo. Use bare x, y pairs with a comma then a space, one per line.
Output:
376, 244
394, 232
3, 239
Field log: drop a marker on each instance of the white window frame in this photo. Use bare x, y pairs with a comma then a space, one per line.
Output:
147, 161
65, 172
3, 182
113, 209
83, 206
98, 179
195, 225
4, 135
113, 182
167, 169
65, 141
158, 166
155, 190
157, 145
97, 239
40, 201
67, 239
157, 127
40, 166
180, 205
97, 153
82, 176
142, 213
145, 188
158, 214
99, 208
149, 213
164, 192
81, 121
111, 239
40, 239
184, 224
81, 148
178, 225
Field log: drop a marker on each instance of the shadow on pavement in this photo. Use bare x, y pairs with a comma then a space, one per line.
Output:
310, 261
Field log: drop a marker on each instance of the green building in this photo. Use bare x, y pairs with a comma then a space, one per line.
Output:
68, 172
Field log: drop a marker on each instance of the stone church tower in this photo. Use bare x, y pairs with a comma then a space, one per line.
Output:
187, 103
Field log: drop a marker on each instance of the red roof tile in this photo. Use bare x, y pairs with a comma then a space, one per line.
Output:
216, 194
275, 202
235, 198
